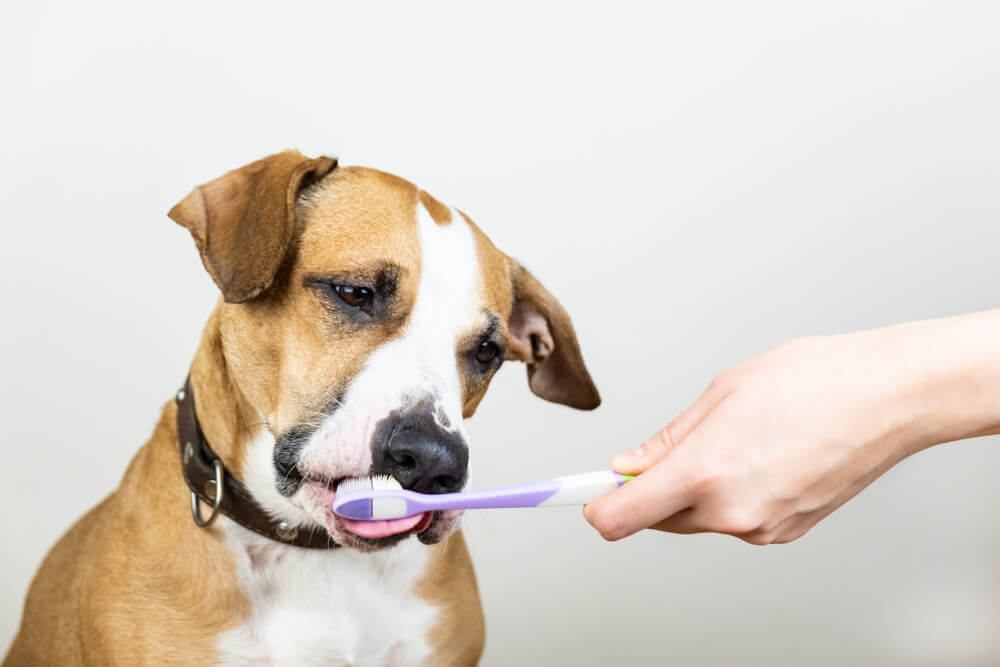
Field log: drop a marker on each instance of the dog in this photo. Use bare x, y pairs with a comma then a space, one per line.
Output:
360, 321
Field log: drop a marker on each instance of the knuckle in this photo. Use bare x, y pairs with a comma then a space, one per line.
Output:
740, 521
663, 440
700, 485
705, 480
759, 538
722, 382
792, 535
770, 525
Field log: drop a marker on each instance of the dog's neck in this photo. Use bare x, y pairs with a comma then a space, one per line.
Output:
226, 418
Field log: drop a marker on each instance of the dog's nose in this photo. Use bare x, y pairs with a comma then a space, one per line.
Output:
423, 459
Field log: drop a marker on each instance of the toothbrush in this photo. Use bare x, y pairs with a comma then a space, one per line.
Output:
381, 496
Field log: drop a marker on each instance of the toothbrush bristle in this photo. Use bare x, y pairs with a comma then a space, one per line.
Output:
366, 484
385, 483
355, 485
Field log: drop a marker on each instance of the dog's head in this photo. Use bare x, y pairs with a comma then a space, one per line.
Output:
361, 321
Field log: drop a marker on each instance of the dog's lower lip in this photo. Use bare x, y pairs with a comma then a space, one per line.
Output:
425, 522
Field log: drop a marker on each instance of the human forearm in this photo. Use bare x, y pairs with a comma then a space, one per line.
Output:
954, 376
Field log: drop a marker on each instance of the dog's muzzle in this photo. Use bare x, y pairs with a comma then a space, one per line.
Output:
413, 447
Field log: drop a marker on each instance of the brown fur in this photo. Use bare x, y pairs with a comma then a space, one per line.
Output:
135, 581
542, 336
439, 212
120, 587
450, 583
244, 221
135, 578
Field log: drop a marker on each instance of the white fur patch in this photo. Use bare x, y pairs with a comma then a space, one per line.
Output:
420, 363
344, 607
260, 476
337, 607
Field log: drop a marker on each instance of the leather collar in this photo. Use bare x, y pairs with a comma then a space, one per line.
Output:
201, 467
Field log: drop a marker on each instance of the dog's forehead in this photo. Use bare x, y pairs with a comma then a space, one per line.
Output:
359, 217
356, 217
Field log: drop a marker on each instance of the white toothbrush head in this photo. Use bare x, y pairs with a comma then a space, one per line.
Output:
355, 499
354, 485
385, 483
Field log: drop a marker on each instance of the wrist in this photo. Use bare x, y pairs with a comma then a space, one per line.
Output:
948, 378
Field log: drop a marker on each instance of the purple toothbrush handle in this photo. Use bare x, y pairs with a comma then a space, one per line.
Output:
521, 495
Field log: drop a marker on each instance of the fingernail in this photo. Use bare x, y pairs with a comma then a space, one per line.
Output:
629, 457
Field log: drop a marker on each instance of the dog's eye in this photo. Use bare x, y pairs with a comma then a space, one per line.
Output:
487, 352
354, 296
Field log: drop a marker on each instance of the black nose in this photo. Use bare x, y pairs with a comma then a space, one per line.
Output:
422, 456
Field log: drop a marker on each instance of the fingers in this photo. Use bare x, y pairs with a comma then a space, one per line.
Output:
690, 418
700, 520
658, 493
684, 522
664, 487
642, 458
695, 520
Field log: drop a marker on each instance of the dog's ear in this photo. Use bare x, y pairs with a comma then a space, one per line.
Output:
243, 221
542, 335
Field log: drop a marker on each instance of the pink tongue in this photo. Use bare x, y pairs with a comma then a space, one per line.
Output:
381, 527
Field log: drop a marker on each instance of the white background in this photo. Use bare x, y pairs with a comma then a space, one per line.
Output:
695, 181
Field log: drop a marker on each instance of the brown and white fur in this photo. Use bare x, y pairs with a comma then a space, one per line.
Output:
292, 383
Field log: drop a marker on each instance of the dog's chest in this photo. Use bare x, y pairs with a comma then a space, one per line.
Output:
338, 607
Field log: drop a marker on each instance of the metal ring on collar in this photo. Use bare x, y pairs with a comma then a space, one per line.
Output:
219, 490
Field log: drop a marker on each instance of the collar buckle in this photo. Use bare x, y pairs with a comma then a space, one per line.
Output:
208, 482
218, 489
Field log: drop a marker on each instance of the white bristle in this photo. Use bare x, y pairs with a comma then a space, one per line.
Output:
385, 483
354, 485
365, 484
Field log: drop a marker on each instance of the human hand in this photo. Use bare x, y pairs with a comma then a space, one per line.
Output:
777, 443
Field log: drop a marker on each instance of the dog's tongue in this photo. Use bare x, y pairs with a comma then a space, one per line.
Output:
382, 527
